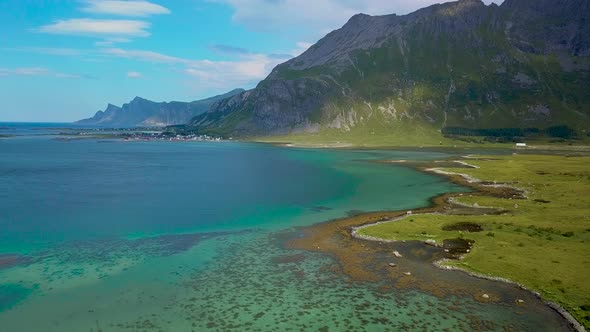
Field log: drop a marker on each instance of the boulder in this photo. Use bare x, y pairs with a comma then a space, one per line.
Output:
430, 242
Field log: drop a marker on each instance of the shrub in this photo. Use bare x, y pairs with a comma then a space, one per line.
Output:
560, 132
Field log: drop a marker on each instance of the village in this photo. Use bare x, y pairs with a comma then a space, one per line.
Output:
140, 136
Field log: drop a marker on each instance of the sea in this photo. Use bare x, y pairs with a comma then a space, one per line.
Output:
110, 235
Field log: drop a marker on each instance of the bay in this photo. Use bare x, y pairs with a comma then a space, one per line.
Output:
177, 236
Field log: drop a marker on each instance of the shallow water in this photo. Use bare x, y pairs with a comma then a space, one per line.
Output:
157, 236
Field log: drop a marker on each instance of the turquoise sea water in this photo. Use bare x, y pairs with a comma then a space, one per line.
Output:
160, 236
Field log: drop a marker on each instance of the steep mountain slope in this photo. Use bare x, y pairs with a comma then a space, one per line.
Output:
143, 112
525, 63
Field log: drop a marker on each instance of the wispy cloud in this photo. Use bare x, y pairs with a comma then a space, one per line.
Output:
46, 50
35, 71
238, 51
111, 41
247, 70
304, 45
149, 56
124, 8
134, 74
301, 47
63, 75
100, 28
229, 50
25, 71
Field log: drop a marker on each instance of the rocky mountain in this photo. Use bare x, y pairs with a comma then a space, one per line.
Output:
525, 63
142, 112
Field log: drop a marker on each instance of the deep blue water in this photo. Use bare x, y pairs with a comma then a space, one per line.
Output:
55, 190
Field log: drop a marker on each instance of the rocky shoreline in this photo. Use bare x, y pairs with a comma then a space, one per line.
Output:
561, 310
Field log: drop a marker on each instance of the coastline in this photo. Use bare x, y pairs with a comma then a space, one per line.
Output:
441, 263
438, 205
577, 326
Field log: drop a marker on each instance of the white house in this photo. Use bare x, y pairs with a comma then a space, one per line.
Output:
521, 145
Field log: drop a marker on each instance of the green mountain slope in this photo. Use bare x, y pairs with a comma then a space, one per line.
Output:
461, 64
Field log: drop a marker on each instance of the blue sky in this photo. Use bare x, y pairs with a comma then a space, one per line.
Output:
62, 60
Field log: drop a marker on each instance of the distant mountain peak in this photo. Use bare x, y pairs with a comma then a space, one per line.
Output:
111, 108
237, 90
143, 112
358, 18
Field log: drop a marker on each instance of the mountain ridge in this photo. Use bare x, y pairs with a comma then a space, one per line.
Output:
143, 112
461, 64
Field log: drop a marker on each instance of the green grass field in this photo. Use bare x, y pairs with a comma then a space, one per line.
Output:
411, 135
542, 242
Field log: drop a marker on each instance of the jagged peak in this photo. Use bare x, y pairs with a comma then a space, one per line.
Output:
460, 7
362, 18
446, 8
111, 107
237, 90
471, 1
358, 18
138, 99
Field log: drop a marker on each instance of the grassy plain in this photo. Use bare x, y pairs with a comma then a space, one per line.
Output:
414, 135
541, 242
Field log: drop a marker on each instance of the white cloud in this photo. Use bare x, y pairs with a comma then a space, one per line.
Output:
301, 47
247, 70
124, 8
28, 71
35, 71
323, 16
143, 55
304, 45
95, 27
46, 50
244, 72
104, 43
229, 50
62, 75
134, 74
110, 42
